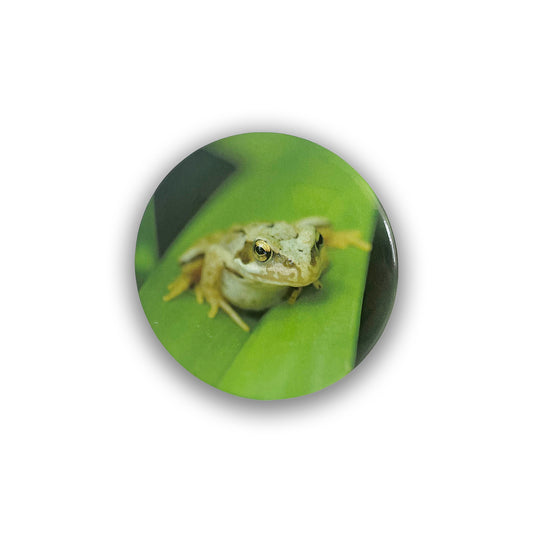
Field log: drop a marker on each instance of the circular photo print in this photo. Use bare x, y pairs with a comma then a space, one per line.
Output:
266, 266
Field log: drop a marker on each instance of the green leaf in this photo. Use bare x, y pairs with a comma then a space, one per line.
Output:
291, 350
146, 250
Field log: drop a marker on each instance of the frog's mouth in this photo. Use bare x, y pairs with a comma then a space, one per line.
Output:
284, 273
304, 278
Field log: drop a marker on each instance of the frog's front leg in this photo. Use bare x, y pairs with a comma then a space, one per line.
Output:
209, 288
296, 291
344, 238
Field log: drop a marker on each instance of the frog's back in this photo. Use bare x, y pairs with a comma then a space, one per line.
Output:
200, 247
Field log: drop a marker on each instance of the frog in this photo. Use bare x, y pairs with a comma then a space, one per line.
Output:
259, 265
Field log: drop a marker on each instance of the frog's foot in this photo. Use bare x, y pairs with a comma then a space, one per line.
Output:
294, 294
189, 276
345, 238
215, 299
317, 284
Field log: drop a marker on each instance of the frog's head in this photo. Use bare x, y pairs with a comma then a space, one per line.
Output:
281, 254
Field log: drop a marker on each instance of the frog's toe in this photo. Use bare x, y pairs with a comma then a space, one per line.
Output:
189, 276
294, 295
317, 284
199, 294
211, 296
234, 316
179, 285
217, 301
214, 310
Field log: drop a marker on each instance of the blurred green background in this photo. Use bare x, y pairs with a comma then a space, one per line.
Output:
291, 350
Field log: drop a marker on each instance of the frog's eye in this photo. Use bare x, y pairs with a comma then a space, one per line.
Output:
319, 240
262, 250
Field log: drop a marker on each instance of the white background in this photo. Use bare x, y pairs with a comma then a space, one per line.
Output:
101, 430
